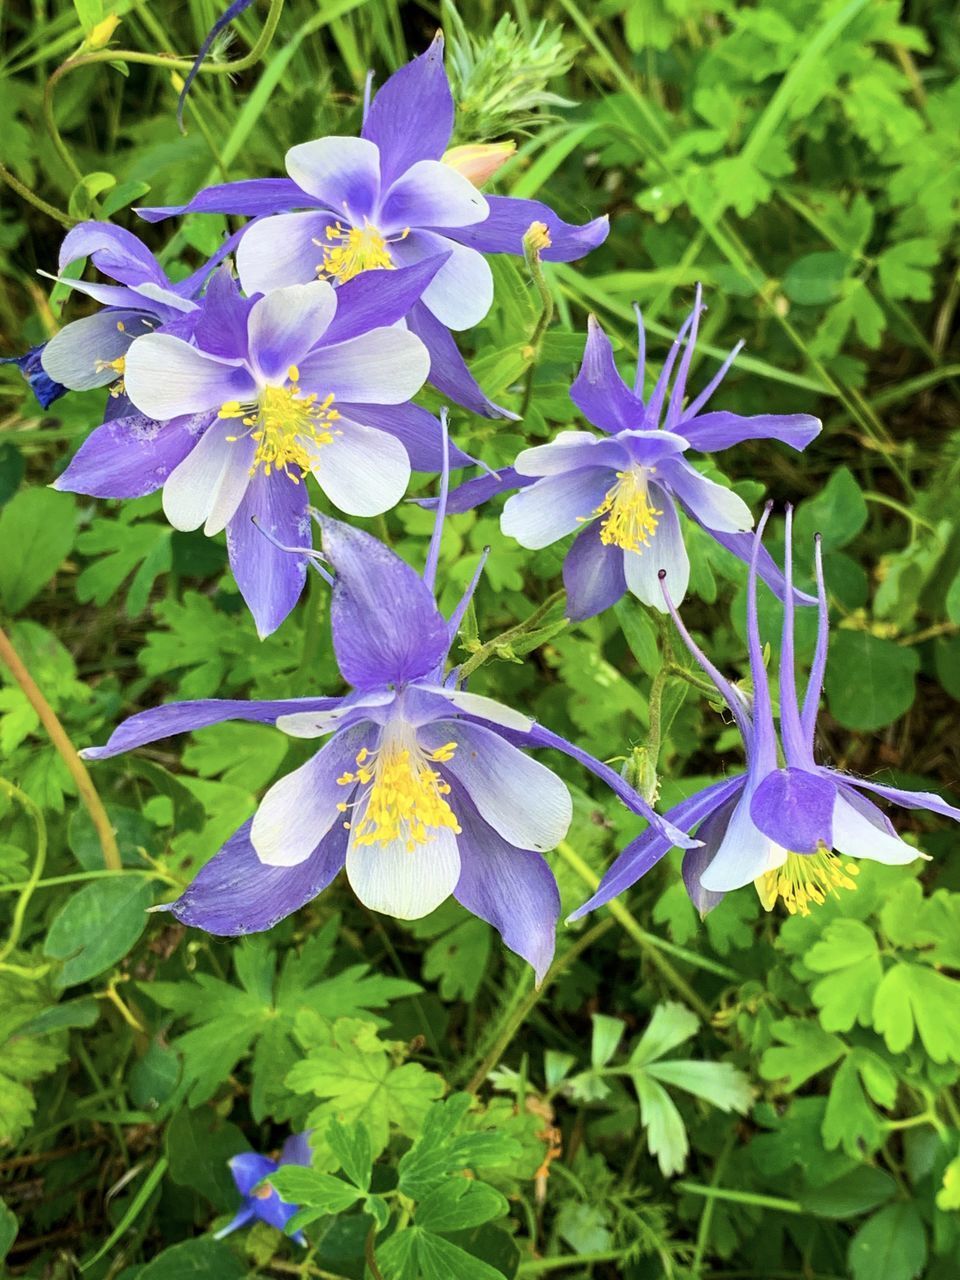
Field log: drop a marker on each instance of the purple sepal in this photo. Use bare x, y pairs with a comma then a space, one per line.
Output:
417, 430
36, 377
251, 198
794, 807
248, 1169
509, 220
386, 625
741, 544
235, 893
599, 391
647, 850
376, 299
270, 579
185, 717
448, 370
481, 489
224, 20
129, 456
696, 861
928, 800
411, 117
712, 431
512, 889
592, 575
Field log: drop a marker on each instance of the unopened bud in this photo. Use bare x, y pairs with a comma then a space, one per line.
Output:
100, 36
537, 237
640, 771
479, 161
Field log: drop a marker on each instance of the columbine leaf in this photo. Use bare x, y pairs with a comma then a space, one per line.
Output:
804, 1051
847, 953
718, 1083
891, 1244
314, 1190
666, 1134
670, 1025
460, 1203
445, 1147
911, 998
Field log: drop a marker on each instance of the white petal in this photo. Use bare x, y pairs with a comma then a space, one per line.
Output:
72, 355
364, 471
193, 486
519, 797
857, 837
570, 451
664, 551
234, 479
166, 377
431, 194
401, 882
279, 251
286, 323
744, 853
551, 508
314, 724
461, 293
342, 172
383, 366
299, 810
714, 504
476, 704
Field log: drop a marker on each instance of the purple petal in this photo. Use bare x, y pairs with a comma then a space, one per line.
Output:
482, 488
538, 736
251, 198
555, 506
249, 1168
794, 807
741, 545
711, 504
221, 326
236, 894
386, 625
297, 1150
41, 384
599, 391
130, 456
417, 430
570, 451
341, 173
695, 861
510, 219
374, 299
647, 850
270, 580
430, 194
512, 889
185, 717
928, 800
448, 370
411, 117
239, 1219
592, 574
712, 431
115, 252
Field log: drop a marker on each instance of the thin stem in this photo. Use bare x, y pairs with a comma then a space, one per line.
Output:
369, 1256
533, 242
742, 1197
706, 1218
20, 910
539, 1266
516, 1017
32, 198
79, 877
647, 943
67, 751
490, 647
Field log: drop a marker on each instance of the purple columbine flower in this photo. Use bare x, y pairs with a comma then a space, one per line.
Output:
91, 352
303, 380
422, 789
260, 1201
789, 827
384, 200
622, 490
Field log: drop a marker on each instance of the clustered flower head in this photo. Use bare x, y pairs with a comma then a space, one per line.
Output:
286, 366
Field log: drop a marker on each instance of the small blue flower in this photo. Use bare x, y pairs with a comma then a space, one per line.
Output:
387, 199
787, 828
260, 1201
41, 384
422, 789
622, 491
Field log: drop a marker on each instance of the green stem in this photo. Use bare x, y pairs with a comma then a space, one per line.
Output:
531, 254
518, 1011
648, 944
742, 1197
31, 197
20, 910
79, 877
539, 1266
489, 648
706, 1218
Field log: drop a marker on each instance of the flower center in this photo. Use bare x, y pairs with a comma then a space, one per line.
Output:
402, 797
350, 250
118, 366
629, 518
806, 878
286, 425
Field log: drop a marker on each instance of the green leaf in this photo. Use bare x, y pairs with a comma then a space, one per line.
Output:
804, 1051
446, 1146
13, 466
122, 195
853, 1193
460, 1203
666, 1134
892, 1245
200, 1259
838, 512
670, 1026
124, 545
314, 1190
40, 525
911, 998
351, 1146
198, 1146
870, 681
849, 1120
415, 1254
90, 12
8, 1229
607, 1034
847, 953
81, 203
639, 633
98, 926
904, 269
718, 1083
815, 279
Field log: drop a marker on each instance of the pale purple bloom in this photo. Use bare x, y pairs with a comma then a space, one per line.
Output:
386, 199
422, 789
787, 828
261, 1203
267, 389
623, 491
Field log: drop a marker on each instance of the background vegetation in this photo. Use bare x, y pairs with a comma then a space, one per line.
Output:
755, 1096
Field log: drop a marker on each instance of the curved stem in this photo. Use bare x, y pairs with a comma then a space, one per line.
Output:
20, 910
171, 62
67, 751
26, 194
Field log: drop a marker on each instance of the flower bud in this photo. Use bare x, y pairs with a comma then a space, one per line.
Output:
100, 36
479, 161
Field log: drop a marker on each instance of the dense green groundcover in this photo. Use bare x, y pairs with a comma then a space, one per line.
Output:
752, 1096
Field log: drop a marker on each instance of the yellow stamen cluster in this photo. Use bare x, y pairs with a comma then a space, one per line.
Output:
117, 366
806, 878
286, 426
404, 798
630, 520
350, 250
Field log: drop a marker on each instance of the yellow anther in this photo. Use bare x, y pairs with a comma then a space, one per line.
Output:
405, 798
293, 374
122, 328
629, 518
806, 878
286, 426
350, 250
